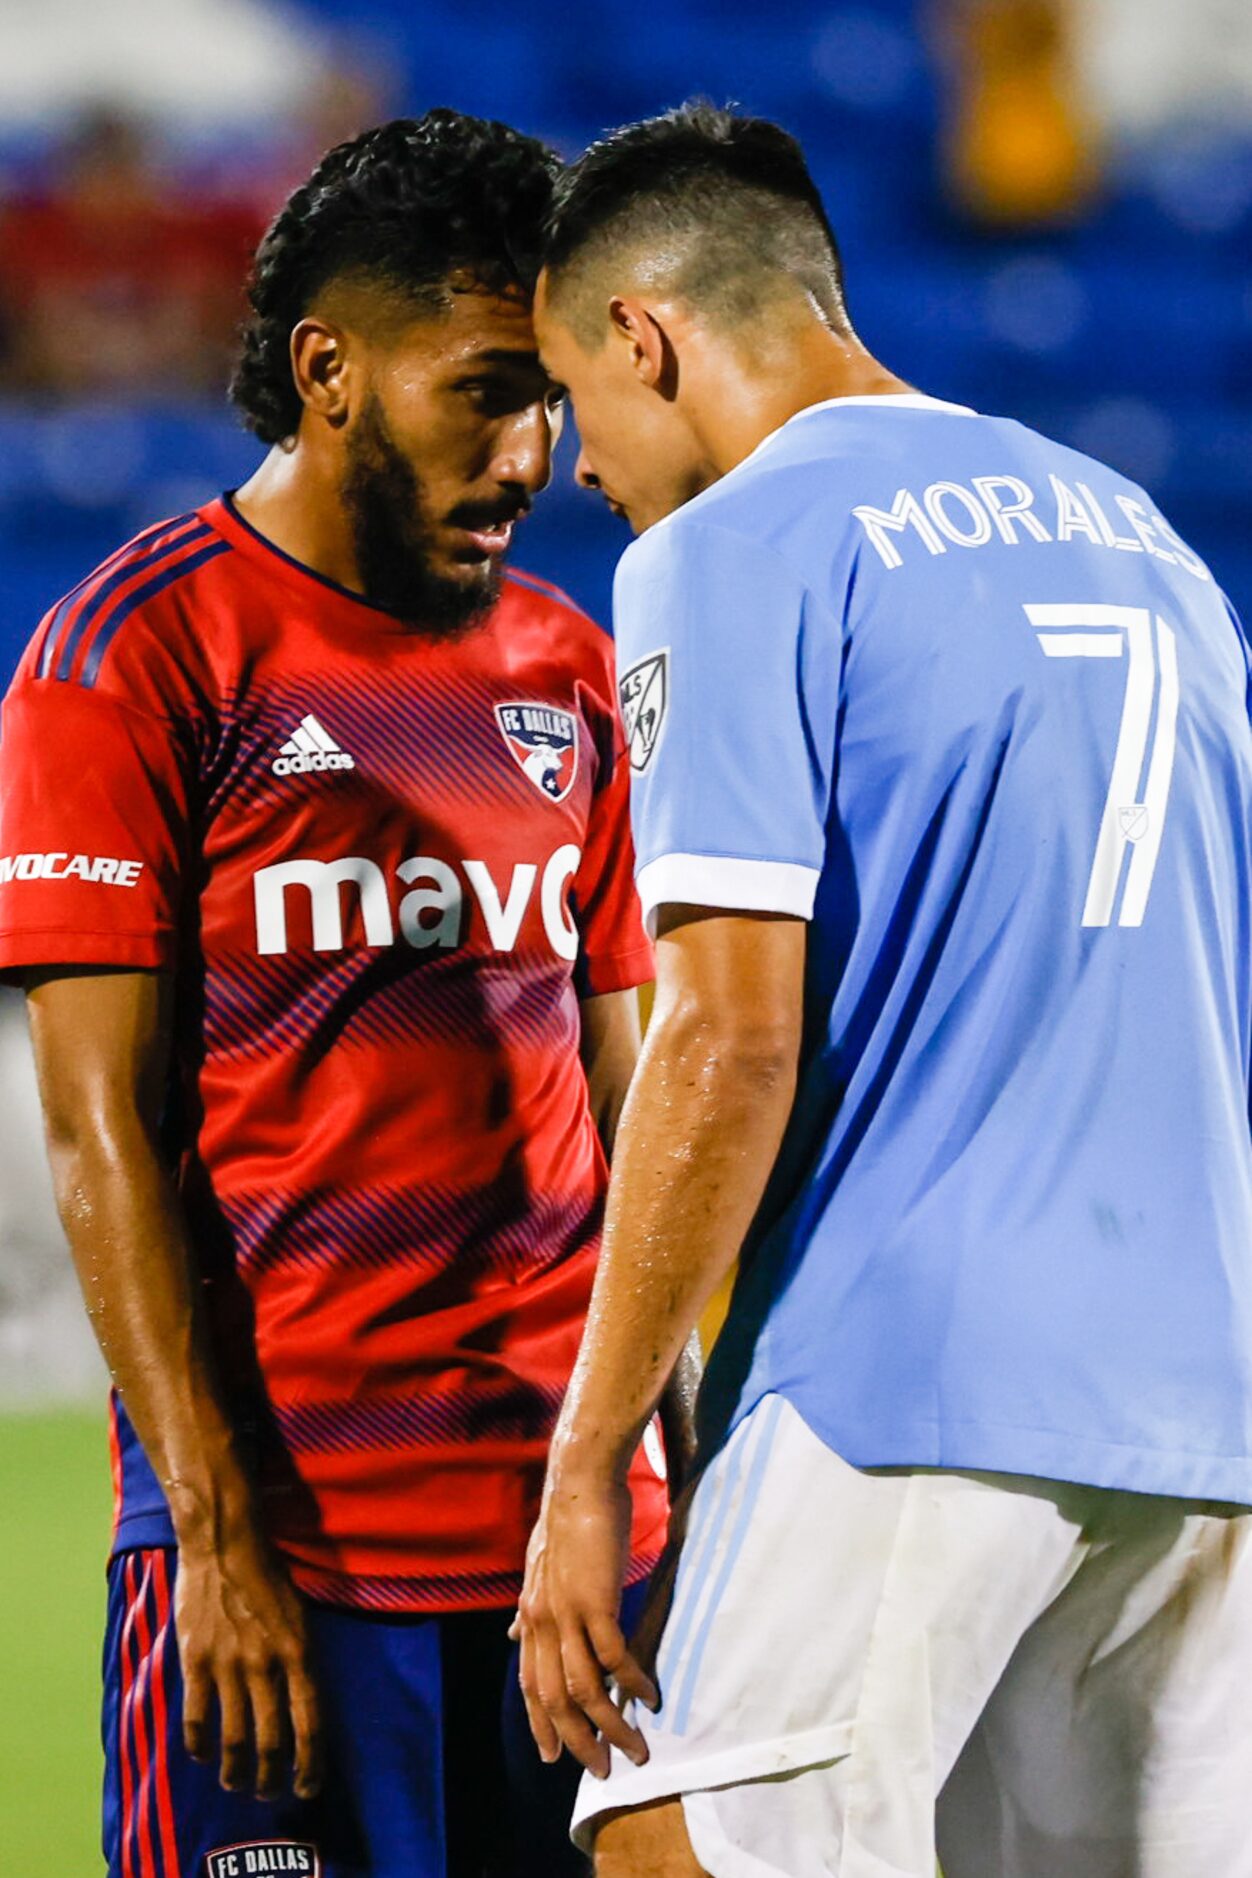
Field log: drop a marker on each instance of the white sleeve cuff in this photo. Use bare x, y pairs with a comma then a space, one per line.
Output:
719, 880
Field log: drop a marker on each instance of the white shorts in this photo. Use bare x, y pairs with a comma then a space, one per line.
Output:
1066, 1670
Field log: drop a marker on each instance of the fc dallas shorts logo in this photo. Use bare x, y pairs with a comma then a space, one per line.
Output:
263, 1856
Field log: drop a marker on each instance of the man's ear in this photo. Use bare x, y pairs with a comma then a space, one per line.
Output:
652, 354
320, 365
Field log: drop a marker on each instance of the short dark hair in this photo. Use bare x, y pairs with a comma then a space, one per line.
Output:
408, 206
735, 195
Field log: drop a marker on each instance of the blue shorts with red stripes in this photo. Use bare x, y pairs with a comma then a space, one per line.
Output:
431, 1771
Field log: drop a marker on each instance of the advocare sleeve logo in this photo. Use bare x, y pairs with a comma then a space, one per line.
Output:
644, 692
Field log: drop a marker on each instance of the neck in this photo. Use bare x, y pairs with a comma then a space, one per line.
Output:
293, 500
749, 397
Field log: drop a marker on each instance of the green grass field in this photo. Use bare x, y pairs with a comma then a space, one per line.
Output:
54, 1478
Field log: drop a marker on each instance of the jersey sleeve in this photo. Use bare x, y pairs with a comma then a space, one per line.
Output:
615, 953
93, 830
1245, 643
728, 673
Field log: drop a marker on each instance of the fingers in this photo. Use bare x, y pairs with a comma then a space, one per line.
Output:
236, 1748
306, 1723
266, 1688
617, 1661
589, 1704
197, 1700
567, 1700
547, 1740
270, 1720
635, 1683
564, 1713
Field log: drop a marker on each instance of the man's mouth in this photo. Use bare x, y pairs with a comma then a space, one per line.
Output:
493, 540
493, 536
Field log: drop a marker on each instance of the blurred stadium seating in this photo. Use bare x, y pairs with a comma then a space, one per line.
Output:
1127, 331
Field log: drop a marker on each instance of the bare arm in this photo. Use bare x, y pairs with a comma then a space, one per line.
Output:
699, 1136
102, 1048
610, 1051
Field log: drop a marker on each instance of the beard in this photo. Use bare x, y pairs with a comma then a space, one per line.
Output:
384, 499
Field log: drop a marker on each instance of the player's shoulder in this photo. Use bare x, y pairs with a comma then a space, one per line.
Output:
540, 598
135, 622
758, 509
530, 603
706, 544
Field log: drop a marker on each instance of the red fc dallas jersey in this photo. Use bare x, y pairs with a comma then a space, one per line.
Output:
383, 870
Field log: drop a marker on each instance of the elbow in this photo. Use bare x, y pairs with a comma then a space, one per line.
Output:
754, 1051
81, 1134
763, 1064
92, 1156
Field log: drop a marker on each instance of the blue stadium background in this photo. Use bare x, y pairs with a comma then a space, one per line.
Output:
1129, 335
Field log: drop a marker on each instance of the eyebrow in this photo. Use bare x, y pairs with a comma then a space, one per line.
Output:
505, 355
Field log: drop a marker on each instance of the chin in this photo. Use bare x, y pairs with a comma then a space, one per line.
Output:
478, 579
461, 568
481, 577
663, 501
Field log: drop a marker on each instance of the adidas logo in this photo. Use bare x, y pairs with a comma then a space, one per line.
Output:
310, 747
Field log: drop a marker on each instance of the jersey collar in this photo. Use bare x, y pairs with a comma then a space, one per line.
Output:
895, 400
222, 514
903, 400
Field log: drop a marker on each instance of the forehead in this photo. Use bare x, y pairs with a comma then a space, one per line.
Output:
476, 324
560, 351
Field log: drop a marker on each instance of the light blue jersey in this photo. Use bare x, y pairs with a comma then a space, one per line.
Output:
961, 698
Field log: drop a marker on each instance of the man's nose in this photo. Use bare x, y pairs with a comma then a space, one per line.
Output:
584, 475
525, 452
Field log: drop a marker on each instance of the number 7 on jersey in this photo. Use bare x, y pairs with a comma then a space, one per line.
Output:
1130, 819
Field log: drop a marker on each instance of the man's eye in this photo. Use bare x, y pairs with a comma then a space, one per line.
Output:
498, 397
488, 394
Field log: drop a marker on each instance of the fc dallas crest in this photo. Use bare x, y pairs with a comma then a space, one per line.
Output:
544, 742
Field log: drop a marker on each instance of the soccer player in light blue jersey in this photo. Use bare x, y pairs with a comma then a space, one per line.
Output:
943, 806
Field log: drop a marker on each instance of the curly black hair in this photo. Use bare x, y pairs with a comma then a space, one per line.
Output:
408, 205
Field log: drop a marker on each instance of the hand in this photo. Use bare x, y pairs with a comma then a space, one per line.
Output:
241, 1638
571, 1641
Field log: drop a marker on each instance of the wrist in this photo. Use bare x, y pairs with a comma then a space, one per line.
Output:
591, 1461
211, 1500
210, 1525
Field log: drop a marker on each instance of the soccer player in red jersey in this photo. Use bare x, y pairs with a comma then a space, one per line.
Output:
315, 862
